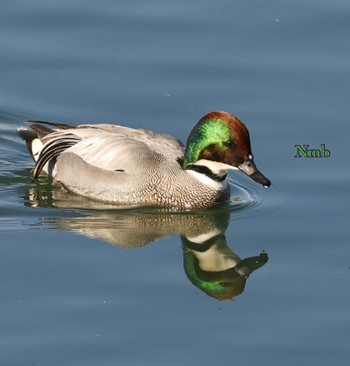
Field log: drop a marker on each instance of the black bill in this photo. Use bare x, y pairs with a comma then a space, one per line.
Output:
248, 167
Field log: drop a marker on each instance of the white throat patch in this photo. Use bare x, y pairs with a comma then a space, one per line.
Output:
216, 167
219, 169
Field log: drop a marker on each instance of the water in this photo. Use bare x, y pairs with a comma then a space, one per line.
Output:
70, 297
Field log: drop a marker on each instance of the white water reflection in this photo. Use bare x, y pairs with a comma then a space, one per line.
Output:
209, 263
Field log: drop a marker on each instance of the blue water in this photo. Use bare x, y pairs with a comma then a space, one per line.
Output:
85, 285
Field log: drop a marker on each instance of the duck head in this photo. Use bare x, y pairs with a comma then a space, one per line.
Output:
220, 142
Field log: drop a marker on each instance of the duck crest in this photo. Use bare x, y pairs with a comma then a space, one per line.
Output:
218, 136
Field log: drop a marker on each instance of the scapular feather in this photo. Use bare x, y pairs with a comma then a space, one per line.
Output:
52, 149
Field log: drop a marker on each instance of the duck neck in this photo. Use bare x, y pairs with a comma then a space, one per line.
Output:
203, 168
210, 173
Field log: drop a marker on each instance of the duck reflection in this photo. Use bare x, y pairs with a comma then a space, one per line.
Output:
209, 263
215, 269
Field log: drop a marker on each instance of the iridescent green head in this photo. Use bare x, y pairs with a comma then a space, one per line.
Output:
222, 138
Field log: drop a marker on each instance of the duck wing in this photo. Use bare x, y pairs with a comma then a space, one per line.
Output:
119, 148
108, 147
161, 143
117, 165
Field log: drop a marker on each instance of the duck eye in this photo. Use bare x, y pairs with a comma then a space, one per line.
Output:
224, 284
229, 143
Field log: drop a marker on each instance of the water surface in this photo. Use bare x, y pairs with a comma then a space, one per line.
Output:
86, 285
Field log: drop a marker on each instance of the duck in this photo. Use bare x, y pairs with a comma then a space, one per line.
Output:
130, 167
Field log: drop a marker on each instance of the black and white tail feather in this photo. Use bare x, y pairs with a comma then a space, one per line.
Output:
45, 143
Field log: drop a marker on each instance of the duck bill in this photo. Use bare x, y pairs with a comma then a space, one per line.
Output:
248, 167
